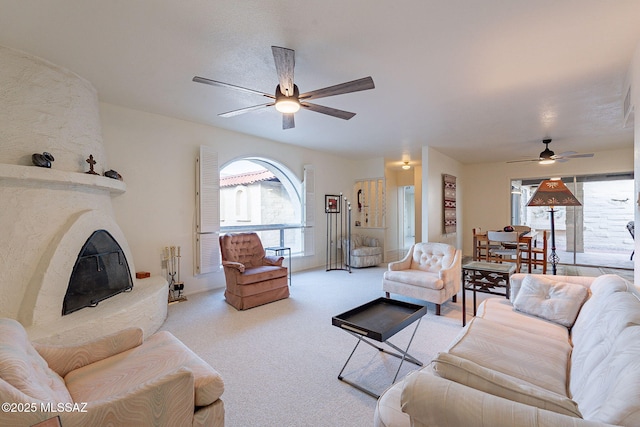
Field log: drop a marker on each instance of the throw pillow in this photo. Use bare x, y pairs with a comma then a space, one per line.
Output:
558, 302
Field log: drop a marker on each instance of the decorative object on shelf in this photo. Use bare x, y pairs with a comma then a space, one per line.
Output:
43, 160
91, 164
171, 257
331, 204
370, 194
553, 193
449, 203
113, 175
142, 274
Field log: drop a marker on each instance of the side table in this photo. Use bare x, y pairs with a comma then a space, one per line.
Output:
379, 320
280, 250
486, 277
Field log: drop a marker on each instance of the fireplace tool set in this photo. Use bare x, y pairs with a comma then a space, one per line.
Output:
171, 258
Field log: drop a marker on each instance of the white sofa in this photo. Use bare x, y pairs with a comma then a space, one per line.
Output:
509, 368
430, 271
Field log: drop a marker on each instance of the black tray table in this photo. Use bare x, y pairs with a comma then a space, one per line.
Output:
379, 320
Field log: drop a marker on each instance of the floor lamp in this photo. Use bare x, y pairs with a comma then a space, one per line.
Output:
553, 193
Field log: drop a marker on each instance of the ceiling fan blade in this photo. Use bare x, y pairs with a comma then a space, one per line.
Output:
577, 156
527, 160
287, 121
230, 86
285, 62
245, 110
348, 87
566, 154
341, 114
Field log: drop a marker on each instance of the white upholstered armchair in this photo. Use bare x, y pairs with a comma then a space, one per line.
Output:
116, 380
365, 251
430, 272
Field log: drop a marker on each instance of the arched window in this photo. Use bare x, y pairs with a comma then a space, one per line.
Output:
261, 195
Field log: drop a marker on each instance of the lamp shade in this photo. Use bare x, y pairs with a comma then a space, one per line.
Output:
553, 193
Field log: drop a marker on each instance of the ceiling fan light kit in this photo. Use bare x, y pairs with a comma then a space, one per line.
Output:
547, 157
288, 99
287, 104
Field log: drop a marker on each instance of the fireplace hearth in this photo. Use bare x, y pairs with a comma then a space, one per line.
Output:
100, 272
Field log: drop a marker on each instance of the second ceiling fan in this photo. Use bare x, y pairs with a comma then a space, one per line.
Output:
287, 98
548, 157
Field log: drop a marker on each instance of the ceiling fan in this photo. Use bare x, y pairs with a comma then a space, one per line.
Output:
548, 157
287, 98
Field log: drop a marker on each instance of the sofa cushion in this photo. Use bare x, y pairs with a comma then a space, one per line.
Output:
555, 301
500, 310
496, 383
536, 358
366, 251
260, 274
162, 353
420, 278
605, 368
25, 370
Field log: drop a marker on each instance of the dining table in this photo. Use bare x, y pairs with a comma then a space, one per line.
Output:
481, 246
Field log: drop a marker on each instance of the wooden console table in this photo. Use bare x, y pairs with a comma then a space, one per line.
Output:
486, 277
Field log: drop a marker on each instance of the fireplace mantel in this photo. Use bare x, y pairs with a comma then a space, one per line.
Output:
49, 176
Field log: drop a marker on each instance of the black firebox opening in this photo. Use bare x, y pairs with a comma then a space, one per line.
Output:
100, 272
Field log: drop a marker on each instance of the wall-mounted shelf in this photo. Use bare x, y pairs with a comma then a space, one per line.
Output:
47, 176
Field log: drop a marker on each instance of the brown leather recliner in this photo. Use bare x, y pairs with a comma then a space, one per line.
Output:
253, 278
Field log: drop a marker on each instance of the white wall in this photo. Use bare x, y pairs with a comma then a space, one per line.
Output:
487, 186
156, 157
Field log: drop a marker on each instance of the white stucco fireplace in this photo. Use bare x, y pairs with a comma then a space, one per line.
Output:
48, 214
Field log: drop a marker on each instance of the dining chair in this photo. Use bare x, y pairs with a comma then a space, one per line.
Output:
521, 230
502, 253
537, 255
480, 244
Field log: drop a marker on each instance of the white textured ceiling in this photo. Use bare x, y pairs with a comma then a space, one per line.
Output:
479, 81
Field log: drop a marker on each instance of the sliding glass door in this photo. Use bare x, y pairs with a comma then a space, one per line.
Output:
594, 234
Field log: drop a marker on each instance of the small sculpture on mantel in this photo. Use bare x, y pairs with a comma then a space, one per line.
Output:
43, 160
91, 163
113, 174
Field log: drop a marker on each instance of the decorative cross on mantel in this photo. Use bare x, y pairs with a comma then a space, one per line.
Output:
91, 163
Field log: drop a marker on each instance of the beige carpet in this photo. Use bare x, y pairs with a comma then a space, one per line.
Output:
280, 361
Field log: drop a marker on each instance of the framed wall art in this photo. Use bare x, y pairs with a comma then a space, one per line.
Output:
450, 220
331, 204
